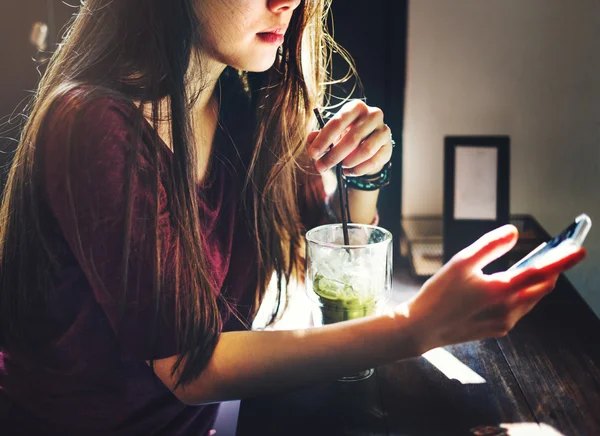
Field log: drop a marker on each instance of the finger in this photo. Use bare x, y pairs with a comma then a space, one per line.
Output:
537, 291
377, 140
510, 307
558, 253
530, 297
489, 247
311, 138
526, 308
335, 128
362, 128
371, 166
532, 275
501, 327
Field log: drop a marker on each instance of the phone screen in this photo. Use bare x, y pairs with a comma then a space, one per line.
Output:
574, 234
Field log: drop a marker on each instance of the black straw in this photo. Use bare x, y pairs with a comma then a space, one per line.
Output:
342, 188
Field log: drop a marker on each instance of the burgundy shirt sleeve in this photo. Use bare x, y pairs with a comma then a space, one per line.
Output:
102, 137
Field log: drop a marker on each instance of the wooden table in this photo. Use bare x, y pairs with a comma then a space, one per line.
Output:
542, 379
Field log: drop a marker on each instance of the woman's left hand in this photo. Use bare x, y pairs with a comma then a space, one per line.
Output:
360, 138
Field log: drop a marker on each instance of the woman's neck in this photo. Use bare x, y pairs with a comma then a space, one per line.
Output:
204, 113
204, 72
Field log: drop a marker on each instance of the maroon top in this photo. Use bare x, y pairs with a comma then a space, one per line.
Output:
94, 379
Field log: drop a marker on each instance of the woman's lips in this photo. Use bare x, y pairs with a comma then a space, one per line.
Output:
271, 38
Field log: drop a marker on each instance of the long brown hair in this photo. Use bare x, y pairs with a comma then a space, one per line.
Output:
141, 49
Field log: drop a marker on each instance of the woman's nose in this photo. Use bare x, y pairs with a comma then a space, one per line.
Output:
283, 5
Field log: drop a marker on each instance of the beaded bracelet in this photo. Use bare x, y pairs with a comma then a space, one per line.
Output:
371, 182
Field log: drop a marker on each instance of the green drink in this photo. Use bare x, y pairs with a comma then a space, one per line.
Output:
340, 301
348, 281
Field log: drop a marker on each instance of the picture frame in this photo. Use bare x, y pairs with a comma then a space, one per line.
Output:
476, 191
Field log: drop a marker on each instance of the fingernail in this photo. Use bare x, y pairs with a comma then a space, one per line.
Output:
313, 152
320, 166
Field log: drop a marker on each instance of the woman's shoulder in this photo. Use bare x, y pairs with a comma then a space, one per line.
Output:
98, 139
90, 109
94, 120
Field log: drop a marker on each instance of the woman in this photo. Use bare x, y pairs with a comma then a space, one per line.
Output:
164, 175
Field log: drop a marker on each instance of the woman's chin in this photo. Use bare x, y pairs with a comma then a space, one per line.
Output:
259, 64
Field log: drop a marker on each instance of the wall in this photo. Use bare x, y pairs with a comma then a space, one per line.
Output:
18, 71
526, 68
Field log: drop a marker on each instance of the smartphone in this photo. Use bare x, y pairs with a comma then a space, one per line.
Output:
572, 236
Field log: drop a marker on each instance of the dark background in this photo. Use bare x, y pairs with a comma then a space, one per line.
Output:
374, 33
19, 72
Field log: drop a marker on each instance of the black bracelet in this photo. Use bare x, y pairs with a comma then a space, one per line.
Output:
371, 182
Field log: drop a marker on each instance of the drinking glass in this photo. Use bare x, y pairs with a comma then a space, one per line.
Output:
348, 281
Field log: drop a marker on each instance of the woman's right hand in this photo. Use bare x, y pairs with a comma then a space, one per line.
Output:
458, 304
461, 303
